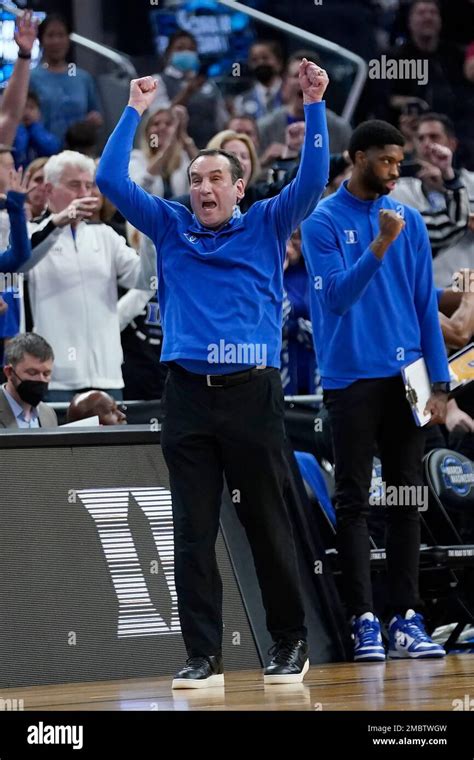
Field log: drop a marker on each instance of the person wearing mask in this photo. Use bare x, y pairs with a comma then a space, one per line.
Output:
265, 63
28, 366
184, 83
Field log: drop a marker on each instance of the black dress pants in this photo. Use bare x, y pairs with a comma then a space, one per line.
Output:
209, 432
366, 413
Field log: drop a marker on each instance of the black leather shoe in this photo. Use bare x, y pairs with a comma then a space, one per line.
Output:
199, 673
289, 663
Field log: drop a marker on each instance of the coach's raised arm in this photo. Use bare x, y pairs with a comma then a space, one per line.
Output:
148, 213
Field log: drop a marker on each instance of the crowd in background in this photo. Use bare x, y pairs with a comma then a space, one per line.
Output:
86, 288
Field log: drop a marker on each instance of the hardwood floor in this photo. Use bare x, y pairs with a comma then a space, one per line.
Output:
402, 685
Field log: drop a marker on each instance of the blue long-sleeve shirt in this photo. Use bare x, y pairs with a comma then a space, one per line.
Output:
19, 250
32, 142
219, 288
370, 316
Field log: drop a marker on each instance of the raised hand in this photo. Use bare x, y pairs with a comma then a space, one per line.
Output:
26, 32
442, 157
390, 224
18, 182
78, 209
313, 81
142, 93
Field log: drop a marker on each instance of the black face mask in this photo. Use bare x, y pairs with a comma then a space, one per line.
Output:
264, 73
31, 391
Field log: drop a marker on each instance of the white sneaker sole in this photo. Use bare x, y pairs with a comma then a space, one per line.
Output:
288, 678
198, 683
370, 657
416, 655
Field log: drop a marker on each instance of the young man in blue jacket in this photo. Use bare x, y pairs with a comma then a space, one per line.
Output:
374, 310
220, 289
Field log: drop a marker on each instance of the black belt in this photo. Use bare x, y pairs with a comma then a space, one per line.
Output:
220, 381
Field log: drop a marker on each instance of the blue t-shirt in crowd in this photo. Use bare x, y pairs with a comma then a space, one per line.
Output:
65, 97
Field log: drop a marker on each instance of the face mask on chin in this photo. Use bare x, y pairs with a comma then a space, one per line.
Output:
31, 391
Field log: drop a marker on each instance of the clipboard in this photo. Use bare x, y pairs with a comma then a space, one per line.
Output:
418, 389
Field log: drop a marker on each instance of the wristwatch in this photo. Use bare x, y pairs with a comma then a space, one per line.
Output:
440, 387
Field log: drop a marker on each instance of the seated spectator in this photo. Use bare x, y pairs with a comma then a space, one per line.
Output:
96, 403
64, 98
82, 137
28, 367
265, 63
34, 179
32, 139
160, 163
442, 195
272, 128
184, 83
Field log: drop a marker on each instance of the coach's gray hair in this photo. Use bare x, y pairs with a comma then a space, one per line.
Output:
54, 167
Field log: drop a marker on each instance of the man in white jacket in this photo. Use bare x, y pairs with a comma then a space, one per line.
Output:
73, 288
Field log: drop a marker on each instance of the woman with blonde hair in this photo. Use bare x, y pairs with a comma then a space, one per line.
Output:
165, 149
241, 146
34, 179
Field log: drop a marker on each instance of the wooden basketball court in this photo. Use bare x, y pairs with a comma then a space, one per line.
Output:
400, 685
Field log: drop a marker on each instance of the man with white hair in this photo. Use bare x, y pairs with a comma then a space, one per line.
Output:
73, 289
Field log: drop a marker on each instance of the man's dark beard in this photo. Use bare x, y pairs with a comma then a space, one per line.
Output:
373, 184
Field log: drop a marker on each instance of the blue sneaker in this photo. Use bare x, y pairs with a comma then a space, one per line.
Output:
368, 646
408, 639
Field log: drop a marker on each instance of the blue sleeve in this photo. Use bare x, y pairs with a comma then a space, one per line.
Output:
146, 212
45, 143
426, 304
298, 199
20, 146
20, 250
10, 321
340, 286
439, 294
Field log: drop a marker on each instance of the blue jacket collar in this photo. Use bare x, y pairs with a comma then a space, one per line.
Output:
348, 198
234, 222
